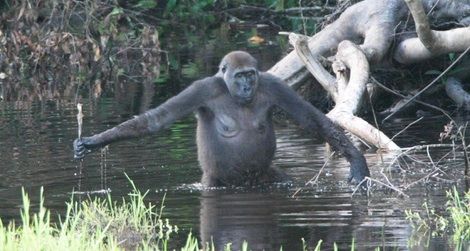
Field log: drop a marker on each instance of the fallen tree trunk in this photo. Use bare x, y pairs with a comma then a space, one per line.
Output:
371, 21
363, 35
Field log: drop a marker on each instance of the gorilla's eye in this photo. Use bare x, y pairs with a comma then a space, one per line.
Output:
224, 68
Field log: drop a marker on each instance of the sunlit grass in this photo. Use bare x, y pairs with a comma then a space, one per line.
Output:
94, 224
457, 222
459, 209
105, 224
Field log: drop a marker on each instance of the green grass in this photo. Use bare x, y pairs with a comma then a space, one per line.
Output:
457, 222
459, 210
131, 224
95, 224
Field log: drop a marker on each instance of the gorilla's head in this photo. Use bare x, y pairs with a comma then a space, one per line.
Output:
240, 72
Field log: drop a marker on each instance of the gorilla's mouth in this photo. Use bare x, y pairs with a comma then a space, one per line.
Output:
246, 94
245, 99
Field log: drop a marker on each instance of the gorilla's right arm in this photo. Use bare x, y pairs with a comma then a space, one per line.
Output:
153, 120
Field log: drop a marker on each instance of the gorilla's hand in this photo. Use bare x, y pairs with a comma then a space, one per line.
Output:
81, 146
359, 172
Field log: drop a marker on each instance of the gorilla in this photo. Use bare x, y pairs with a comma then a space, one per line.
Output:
235, 135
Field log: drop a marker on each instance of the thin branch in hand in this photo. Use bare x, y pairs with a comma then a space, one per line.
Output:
79, 120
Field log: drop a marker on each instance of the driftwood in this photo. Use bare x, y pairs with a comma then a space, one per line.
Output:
455, 91
430, 43
366, 34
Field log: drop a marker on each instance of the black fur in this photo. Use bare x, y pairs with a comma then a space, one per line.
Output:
235, 135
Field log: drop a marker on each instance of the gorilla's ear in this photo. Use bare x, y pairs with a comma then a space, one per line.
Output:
224, 68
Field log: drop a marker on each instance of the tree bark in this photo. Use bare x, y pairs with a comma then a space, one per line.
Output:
363, 35
429, 43
455, 91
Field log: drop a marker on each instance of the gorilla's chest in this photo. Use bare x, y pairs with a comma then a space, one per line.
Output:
230, 124
231, 120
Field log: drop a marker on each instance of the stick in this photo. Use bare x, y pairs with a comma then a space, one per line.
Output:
314, 179
408, 126
390, 186
79, 120
417, 101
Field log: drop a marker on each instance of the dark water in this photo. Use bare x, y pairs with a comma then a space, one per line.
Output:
35, 151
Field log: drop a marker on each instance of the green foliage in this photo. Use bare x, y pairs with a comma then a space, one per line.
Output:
457, 222
429, 221
186, 10
146, 4
101, 224
98, 224
317, 248
459, 209
190, 70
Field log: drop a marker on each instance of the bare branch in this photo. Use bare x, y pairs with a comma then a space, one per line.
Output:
432, 82
323, 77
349, 100
425, 33
429, 43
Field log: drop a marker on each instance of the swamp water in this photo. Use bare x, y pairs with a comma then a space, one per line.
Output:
36, 150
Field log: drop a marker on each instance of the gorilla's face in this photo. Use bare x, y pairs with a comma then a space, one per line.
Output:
242, 84
240, 73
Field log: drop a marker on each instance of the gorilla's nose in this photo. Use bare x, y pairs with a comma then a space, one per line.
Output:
247, 89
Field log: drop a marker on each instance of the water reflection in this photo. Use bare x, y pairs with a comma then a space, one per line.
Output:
237, 217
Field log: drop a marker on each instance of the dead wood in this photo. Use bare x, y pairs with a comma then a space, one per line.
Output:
363, 35
432, 82
369, 21
348, 90
350, 95
430, 43
456, 92
314, 66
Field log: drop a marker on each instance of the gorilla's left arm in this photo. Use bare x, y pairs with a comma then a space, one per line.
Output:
314, 120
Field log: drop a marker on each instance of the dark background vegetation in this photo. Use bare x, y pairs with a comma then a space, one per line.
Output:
74, 49
47, 48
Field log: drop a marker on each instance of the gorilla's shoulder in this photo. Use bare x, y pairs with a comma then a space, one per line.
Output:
269, 81
212, 85
269, 78
212, 81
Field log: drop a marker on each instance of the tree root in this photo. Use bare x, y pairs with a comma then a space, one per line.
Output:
363, 35
347, 91
370, 20
430, 43
455, 91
